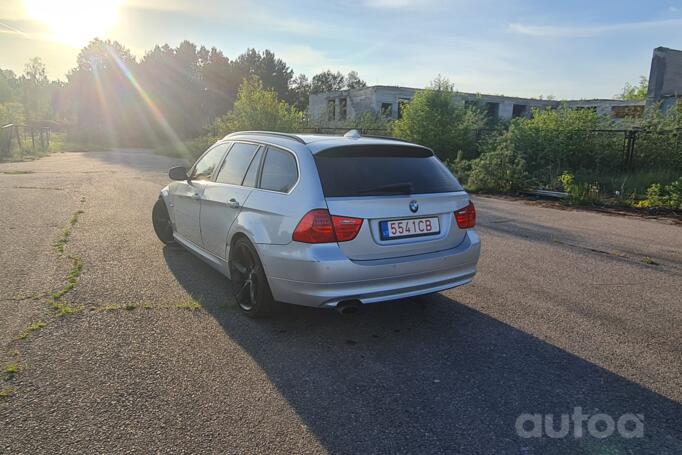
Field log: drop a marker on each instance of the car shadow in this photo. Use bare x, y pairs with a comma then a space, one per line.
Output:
429, 375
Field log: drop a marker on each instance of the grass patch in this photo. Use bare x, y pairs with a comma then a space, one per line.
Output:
33, 327
74, 217
11, 369
6, 392
647, 260
16, 172
189, 305
66, 234
64, 309
71, 278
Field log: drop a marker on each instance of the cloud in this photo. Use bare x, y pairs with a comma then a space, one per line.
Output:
559, 31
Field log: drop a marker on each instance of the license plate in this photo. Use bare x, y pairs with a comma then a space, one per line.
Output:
412, 227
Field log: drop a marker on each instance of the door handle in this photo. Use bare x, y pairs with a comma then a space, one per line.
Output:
233, 203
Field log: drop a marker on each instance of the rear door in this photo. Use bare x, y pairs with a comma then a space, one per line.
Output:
405, 195
186, 196
224, 197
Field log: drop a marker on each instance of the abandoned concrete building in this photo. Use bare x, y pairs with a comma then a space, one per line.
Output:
337, 108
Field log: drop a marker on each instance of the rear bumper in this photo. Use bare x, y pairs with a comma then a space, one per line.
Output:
320, 275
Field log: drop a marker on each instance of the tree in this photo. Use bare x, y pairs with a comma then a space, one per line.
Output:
328, 81
258, 108
635, 93
433, 119
272, 71
353, 81
299, 91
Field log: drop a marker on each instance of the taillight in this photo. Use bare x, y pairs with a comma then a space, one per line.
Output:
466, 217
346, 228
317, 226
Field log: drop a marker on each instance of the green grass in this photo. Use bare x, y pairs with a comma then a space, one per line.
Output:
647, 260
190, 149
6, 392
33, 327
189, 305
71, 279
628, 183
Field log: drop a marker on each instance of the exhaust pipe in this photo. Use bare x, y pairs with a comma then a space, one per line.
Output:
348, 307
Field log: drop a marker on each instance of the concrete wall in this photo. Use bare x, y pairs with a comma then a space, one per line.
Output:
371, 99
665, 77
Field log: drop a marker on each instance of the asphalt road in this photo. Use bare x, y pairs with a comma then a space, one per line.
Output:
570, 309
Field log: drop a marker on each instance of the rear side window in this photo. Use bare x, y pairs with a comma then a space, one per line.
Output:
279, 171
382, 170
237, 162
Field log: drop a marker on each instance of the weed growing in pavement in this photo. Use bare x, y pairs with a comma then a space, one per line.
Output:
11, 369
71, 278
66, 234
33, 327
6, 392
189, 305
649, 261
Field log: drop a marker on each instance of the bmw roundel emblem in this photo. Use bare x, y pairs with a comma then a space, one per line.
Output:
414, 206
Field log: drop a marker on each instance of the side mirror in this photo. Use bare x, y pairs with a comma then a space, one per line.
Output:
178, 173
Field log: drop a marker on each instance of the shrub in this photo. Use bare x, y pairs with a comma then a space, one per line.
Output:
501, 170
554, 140
669, 196
434, 120
257, 108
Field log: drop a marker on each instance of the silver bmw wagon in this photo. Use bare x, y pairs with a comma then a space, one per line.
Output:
323, 221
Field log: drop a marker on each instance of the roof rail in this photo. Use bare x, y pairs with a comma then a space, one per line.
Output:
270, 133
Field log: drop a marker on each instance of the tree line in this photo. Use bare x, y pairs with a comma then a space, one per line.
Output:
170, 93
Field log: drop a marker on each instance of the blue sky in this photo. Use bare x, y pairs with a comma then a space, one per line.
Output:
579, 49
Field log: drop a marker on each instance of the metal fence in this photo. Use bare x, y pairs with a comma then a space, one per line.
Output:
19, 140
623, 148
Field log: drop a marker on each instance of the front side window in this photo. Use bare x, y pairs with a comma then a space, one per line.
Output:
251, 177
279, 171
237, 162
204, 168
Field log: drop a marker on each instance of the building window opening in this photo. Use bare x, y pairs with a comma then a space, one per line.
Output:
331, 110
387, 110
343, 108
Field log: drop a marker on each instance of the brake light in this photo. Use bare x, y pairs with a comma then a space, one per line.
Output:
346, 228
317, 226
466, 217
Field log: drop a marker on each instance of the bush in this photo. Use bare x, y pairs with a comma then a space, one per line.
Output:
554, 140
658, 196
190, 150
259, 109
501, 170
434, 120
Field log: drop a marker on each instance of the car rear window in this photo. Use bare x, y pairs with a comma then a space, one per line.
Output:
381, 170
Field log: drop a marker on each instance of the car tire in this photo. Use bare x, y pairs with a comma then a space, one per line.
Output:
162, 223
248, 281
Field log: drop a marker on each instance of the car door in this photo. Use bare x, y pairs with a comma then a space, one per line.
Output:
224, 197
186, 196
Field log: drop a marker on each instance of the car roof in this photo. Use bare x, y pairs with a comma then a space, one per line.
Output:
318, 142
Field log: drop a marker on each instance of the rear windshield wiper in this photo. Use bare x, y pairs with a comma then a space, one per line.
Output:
397, 188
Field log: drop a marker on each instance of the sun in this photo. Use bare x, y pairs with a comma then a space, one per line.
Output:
74, 21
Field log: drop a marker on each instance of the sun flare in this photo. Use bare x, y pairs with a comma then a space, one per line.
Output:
74, 21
